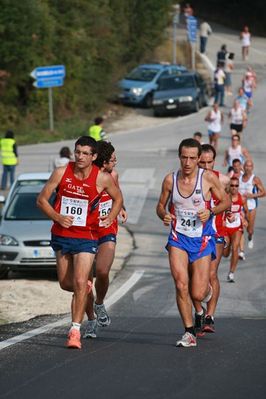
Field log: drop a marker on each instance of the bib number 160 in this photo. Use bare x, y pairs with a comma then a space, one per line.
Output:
72, 210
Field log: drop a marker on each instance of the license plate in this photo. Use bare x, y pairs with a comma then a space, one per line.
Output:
43, 253
172, 106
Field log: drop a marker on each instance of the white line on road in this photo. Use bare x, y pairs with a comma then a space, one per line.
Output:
109, 302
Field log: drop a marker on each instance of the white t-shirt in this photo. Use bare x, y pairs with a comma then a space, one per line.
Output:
205, 29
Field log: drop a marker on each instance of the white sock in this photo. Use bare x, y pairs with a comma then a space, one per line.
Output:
75, 326
200, 313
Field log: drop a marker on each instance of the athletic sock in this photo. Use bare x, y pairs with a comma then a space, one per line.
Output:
190, 330
200, 313
75, 326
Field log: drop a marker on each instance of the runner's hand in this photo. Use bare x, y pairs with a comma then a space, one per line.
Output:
168, 219
105, 221
65, 221
204, 215
123, 215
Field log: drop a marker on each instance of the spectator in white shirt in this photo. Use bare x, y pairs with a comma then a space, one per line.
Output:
205, 31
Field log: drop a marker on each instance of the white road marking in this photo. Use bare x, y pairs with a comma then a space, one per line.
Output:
135, 184
135, 277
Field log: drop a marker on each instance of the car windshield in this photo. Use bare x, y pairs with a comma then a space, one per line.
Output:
143, 74
23, 207
179, 82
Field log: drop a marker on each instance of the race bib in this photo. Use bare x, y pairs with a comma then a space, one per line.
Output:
236, 222
104, 209
188, 223
78, 208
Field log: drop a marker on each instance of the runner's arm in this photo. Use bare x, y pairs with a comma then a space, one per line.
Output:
261, 189
218, 190
45, 195
166, 191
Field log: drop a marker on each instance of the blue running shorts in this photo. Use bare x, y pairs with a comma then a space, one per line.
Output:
107, 238
73, 246
196, 248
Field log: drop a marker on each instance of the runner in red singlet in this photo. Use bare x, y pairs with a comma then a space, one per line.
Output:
207, 160
234, 221
75, 230
106, 161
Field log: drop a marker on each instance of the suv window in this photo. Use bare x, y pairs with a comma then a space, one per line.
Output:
178, 82
142, 74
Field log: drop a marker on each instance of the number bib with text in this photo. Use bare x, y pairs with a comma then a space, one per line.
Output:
188, 223
105, 209
78, 208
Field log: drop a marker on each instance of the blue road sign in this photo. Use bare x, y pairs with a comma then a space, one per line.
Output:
192, 25
49, 72
45, 83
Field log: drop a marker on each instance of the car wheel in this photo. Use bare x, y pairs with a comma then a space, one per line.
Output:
196, 106
3, 272
147, 102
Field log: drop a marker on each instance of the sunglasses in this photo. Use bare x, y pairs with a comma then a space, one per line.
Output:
234, 185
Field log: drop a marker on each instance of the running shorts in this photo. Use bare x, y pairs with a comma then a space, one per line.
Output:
196, 248
73, 246
238, 128
107, 238
230, 232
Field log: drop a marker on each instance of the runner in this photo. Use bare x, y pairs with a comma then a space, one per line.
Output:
234, 222
238, 118
190, 244
245, 38
243, 100
235, 151
106, 161
251, 188
75, 214
207, 160
248, 84
215, 118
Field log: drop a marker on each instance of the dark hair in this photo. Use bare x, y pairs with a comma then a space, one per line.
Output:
230, 169
223, 47
98, 120
234, 178
208, 148
236, 160
189, 143
65, 152
231, 56
89, 141
197, 134
9, 134
235, 135
105, 151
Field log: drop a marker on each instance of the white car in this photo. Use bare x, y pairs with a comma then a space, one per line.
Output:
24, 228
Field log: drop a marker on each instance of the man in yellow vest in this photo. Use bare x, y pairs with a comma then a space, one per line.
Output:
96, 131
9, 158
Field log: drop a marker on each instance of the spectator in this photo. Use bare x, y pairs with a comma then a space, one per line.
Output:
9, 158
64, 157
221, 56
229, 66
205, 31
219, 78
96, 131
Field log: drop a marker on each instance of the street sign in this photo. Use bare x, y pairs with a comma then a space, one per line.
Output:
45, 83
49, 72
192, 25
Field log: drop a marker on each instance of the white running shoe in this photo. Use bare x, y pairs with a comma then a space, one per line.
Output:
187, 340
250, 243
103, 319
209, 295
242, 255
231, 278
91, 329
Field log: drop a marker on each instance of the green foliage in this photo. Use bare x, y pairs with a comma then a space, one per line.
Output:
97, 40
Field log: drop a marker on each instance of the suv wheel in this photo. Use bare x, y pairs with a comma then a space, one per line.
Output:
3, 271
147, 102
196, 106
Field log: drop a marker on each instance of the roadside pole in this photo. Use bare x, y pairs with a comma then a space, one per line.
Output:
175, 23
192, 25
51, 112
47, 77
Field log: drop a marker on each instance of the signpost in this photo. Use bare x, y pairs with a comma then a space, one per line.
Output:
192, 25
49, 77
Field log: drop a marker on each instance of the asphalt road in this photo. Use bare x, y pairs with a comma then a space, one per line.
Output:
136, 356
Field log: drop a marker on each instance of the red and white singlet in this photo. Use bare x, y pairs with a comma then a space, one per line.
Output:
236, 207
219, 218
104, 210
80, 199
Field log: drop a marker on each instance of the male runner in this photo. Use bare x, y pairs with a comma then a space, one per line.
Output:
207, 160
251, 188
190, 244
75, 230
106, 161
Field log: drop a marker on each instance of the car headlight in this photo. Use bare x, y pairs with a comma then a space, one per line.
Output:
137, 91
156, 102
8, 240
185, 98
